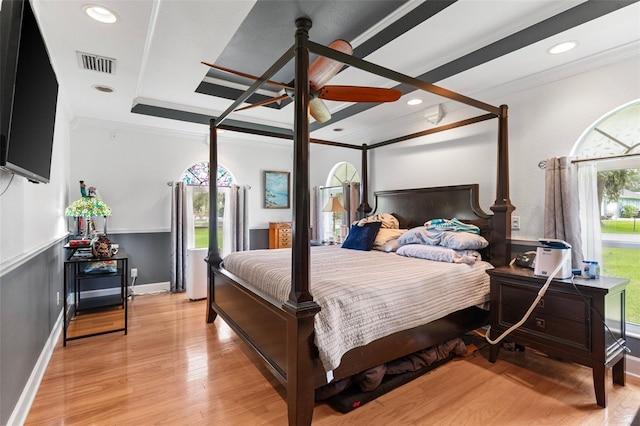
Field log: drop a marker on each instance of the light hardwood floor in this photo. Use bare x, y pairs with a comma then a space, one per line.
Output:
174, 369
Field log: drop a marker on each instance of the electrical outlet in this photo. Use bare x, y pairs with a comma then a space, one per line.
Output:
134, 272
57, 298
515, 223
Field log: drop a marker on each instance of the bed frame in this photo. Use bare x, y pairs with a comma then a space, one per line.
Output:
282, 334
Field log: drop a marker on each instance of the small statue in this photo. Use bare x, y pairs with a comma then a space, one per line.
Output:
83, 189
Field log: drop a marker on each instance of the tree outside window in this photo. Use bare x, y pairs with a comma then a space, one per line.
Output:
197, 177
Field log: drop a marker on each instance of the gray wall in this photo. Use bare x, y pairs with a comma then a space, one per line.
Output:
29, 312
149, 252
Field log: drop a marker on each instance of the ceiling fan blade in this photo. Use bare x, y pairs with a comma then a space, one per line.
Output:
324, 69
265, 102
359, 94
319, 110
245, 75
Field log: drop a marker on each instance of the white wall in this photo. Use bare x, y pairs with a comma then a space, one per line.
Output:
544, 121
32, 215
130, 166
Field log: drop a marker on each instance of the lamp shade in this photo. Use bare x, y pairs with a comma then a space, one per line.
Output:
333, 205
88, 207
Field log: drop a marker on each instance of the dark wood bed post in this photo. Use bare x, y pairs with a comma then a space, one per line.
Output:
301, 308
364, 208
502, 207
213, 256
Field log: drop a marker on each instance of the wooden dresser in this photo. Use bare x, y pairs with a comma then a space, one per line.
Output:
584, 323
279, 235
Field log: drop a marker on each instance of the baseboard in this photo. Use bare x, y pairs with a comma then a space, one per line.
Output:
151, 288
632, 366
21, 410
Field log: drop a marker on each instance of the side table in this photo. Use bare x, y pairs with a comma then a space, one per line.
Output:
86, 316
586, 326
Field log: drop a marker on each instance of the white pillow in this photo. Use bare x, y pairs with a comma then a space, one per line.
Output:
388, 247
385, 235
438, 253
462, 241
420, 235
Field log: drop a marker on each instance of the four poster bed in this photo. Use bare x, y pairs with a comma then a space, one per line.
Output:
294, 332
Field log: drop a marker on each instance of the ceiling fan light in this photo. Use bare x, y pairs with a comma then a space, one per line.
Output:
101, 14
563, 47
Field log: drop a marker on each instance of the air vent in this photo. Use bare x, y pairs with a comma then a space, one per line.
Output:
97, 63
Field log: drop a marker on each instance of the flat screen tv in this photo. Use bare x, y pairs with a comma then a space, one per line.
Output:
29, 93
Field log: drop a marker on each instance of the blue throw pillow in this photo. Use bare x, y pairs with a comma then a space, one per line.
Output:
362, 237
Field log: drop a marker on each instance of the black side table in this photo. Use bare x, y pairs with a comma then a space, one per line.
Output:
78, 307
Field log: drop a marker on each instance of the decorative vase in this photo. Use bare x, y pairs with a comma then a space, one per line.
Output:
101, 247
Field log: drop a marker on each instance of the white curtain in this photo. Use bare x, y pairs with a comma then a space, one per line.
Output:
562, 206
590, 211
179, 236
235, 234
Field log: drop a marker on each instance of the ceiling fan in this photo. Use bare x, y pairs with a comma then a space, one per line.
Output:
321, 71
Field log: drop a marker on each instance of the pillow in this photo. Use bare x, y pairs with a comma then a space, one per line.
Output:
385, 235
387, 220
388, 247
440, 254
463, 241
420, 235
362, 237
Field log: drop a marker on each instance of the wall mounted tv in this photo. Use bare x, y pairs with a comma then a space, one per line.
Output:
29, 93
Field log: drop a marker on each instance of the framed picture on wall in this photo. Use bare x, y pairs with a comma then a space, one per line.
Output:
276, 190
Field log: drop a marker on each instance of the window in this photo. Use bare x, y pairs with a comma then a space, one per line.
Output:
197, 179
340, 181
613, 144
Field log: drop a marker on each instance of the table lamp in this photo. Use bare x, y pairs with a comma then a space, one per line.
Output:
333, 206
85, 208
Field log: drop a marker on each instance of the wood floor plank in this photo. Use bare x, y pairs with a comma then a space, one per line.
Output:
175, 369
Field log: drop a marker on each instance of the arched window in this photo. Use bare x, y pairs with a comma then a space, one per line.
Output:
612, 144
197, 178
198, 174
343, 173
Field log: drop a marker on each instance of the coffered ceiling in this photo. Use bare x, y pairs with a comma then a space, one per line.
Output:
482, 49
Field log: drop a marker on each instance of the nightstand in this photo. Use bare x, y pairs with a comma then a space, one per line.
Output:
95, 301
565, 324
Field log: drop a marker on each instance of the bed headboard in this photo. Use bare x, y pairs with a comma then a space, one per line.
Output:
413, 207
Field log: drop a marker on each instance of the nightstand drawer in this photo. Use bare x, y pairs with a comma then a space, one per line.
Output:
552, 327
560, 305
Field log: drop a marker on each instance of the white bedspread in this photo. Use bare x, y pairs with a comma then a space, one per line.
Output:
366, 295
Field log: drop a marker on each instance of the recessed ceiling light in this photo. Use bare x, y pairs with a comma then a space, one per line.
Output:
104, 89
338, 129
414, 101
100, 13
565, 46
